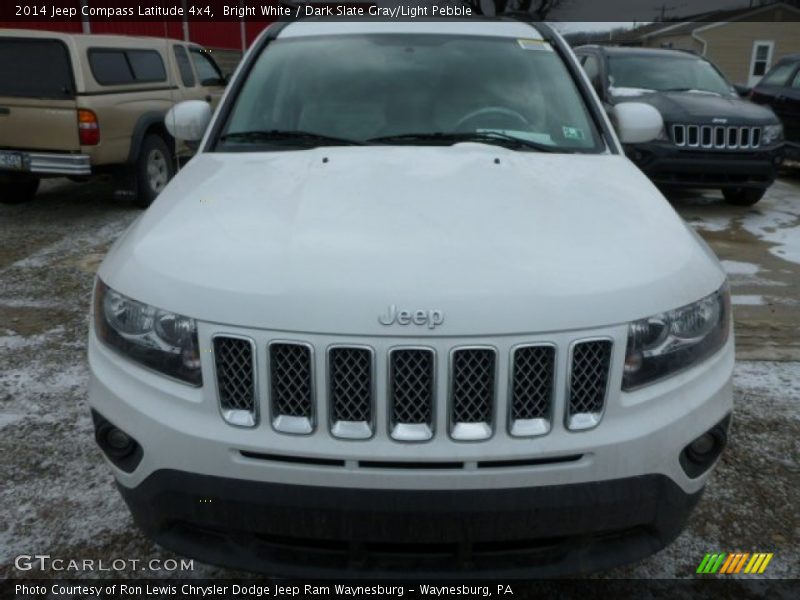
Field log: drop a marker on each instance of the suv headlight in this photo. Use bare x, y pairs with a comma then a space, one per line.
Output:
672, 341
158, 339
772, 134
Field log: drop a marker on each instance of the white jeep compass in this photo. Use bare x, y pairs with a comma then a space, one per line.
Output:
410, 309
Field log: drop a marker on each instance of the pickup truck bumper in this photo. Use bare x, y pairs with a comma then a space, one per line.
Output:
667, 165
307, 531
49, 163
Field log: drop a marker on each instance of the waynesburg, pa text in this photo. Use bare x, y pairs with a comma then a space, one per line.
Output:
251, 590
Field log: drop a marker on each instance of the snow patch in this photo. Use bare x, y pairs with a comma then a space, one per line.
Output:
735, 267
628, 91
748, 300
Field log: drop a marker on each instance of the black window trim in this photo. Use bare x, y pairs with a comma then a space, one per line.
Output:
202, 52
73, 91
185, 49
124, 52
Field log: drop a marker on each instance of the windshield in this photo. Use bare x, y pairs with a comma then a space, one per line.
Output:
408, 89
666, 73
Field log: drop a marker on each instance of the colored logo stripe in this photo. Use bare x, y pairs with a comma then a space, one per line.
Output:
723, 563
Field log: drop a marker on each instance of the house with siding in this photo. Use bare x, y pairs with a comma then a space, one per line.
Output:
743, 43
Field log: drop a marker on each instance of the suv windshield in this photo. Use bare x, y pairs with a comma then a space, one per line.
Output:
409, 89
666, 73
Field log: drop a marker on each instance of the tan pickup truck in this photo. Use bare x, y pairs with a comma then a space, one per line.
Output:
80, 105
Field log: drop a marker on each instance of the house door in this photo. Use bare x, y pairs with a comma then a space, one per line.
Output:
760, 60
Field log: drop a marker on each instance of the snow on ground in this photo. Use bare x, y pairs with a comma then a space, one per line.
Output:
747, 300
735, 267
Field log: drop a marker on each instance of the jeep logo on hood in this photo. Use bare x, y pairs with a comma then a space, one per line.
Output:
432, 318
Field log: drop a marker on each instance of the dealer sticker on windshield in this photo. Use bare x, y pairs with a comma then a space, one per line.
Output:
535, 45
573, 133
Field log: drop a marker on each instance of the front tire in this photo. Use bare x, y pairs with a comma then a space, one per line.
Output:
16, 190
743, 196
154, 169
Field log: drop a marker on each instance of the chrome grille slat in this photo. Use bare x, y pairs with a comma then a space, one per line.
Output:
291, 387
411, 393
234, 366
588, 383
350, 391
718, 137
472, 391
532, 378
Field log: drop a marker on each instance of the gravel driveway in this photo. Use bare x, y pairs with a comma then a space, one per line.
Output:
57, 495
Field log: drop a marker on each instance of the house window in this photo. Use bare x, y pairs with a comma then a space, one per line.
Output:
761, 59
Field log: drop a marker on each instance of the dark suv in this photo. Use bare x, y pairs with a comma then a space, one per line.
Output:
780, 89
712, 138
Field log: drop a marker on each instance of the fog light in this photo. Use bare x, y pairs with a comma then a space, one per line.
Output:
118, 439
702, 445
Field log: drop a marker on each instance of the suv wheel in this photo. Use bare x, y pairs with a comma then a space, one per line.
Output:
154, 169
16, 190
743, 196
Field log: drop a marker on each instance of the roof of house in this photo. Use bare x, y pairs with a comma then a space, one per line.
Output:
689, 23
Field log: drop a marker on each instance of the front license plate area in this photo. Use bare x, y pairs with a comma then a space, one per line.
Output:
12, 161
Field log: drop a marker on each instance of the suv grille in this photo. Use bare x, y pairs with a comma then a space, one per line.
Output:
235, 376
291, 387
472, 389
532, 390
588, 383
411, 391
351, 392
354, 401
718, 137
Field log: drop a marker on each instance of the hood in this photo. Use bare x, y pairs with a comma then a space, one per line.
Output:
497, 241
701, 107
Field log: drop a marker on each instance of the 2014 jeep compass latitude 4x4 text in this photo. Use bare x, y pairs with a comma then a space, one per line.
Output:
410, 309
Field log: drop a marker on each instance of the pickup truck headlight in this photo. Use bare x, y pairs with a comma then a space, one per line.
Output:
772, 134
672, 341
161, 340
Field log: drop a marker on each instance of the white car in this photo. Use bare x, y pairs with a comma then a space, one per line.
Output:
411, 309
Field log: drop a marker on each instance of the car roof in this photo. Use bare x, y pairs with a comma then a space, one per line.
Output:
489, 28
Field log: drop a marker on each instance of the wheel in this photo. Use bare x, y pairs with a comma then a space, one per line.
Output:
743, 196
154, 169
16, 190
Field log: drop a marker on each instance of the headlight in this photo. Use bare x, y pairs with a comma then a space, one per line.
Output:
772, 134
161, 340
669, 342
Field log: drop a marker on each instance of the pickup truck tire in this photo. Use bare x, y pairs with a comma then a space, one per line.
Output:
743, 196
16, 190
154, 169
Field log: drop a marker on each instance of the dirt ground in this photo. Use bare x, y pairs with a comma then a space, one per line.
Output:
57, 495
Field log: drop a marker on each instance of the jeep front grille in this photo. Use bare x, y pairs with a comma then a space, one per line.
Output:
588, 383
716, 137
411, 393
408, 400
235, 377
532, 379
472, 391
291, 387
350, 387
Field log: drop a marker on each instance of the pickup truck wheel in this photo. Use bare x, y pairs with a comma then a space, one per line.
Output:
154, 169
16, 190
743, 196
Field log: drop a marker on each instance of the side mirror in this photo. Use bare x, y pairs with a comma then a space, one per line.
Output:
188, 120
637, 122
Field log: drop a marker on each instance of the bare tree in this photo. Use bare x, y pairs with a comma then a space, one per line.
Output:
536, 8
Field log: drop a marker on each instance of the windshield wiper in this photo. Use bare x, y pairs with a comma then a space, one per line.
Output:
487, 137
273, 135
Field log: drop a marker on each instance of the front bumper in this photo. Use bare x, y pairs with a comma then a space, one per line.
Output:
302, 531
667, 165
51, 163
259, 499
